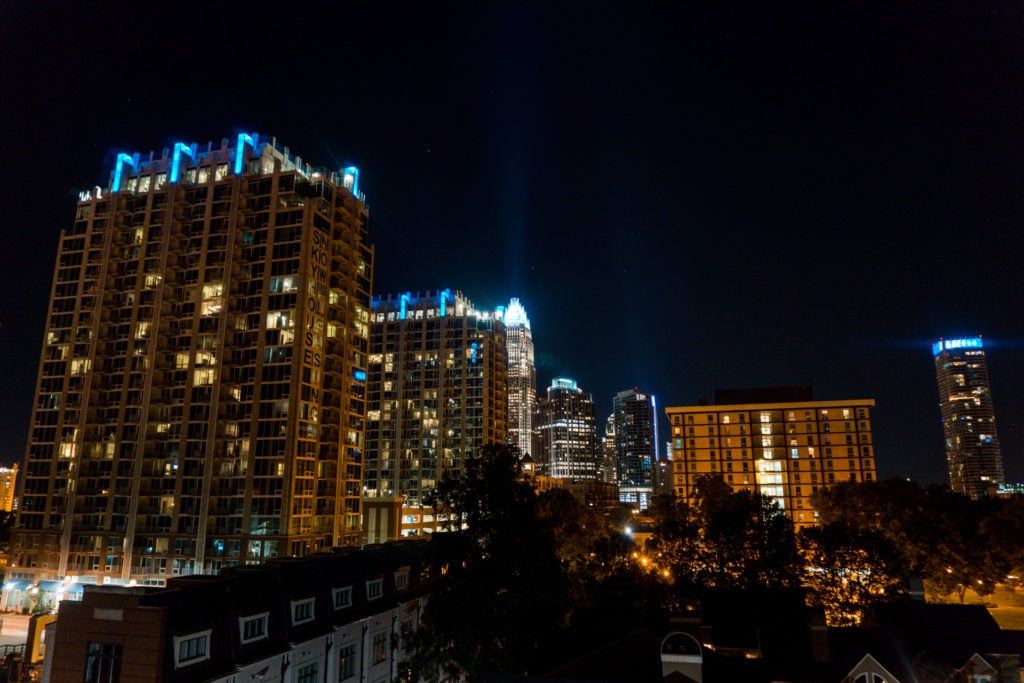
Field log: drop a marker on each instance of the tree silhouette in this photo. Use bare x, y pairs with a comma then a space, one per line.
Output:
503, 593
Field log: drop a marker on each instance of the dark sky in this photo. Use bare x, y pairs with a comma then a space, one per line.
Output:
685, 196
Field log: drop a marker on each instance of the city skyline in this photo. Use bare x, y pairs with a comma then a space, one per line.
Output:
684, 199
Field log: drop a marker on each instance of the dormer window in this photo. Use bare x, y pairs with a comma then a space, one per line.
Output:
402, 579
374, 589
302, 610
192, 648
342, 597
253, 628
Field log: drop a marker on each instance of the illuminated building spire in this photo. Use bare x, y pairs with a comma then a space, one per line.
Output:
522, 377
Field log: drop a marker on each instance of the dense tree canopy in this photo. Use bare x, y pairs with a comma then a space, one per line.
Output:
952, 542
534, 578
728, 540
503, 594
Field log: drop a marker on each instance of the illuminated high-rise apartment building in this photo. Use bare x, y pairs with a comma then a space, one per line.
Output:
437, 391
522, 377
201, 391
635, 416
968, 418
775, 441
8, 485
567, 445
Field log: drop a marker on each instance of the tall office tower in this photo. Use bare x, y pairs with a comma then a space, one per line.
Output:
567, 434
636, 445
200, 400
437, 391
968, 419
775, 441
522, 377
8, 485
608, 452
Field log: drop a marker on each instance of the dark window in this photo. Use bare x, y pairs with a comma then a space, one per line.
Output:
193, 648
103, 663
308, 673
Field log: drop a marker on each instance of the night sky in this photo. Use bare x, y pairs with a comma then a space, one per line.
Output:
684, 196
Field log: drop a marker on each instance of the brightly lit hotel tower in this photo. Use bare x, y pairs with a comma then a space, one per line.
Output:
522, 377
200, 400
778, 442
437, 393
968, 419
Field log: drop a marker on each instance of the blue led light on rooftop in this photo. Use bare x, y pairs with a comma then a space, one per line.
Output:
253, 140
953, 344
180, 147
445, 296
119, 168
351, 180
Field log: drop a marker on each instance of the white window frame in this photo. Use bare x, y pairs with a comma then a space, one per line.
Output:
374, 589
402, 579
182, 640
341, 597
297, 604
263, 617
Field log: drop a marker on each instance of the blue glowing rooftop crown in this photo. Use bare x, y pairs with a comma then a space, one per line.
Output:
515, 315
564, 383
954, 344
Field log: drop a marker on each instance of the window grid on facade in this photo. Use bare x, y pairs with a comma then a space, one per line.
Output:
787, 442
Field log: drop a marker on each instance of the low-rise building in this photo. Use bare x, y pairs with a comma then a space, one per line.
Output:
335, 617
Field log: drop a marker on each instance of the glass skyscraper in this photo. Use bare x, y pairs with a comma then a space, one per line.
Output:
968, 418
567, 445
522, 377
635, 417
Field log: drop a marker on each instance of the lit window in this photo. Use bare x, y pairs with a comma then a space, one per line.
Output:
380, 647
347, 662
